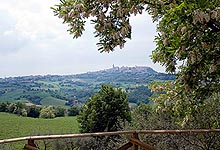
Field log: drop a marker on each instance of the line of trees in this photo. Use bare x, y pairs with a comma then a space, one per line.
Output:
34, 111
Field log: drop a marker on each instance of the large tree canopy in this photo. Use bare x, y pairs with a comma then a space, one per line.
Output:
188, 39
105, 111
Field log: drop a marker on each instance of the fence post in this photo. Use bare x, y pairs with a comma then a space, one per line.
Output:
135, 136
31, 145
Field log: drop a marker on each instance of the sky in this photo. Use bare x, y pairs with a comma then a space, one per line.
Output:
35, 42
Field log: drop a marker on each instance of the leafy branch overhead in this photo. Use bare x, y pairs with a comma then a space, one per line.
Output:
188, 37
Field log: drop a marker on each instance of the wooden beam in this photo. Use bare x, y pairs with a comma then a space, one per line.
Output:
135, 136
141, 144
109, 134
126, 146
43, 137
178, 131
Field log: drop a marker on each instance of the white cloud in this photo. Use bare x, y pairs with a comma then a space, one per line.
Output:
10, 40
33, 18
33, 41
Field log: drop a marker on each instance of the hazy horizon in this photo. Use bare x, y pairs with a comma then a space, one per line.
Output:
78, 72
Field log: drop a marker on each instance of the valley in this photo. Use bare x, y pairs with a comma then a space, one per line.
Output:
68, 90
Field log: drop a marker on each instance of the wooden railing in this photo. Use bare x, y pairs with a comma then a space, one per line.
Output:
133, 141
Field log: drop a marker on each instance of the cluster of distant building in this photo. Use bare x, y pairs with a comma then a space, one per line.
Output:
130, 69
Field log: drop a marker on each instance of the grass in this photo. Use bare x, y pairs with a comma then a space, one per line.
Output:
14, 95
55, 85
13, 126
52, 101
11, 96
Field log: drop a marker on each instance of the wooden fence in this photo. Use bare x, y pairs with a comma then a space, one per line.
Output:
133, 141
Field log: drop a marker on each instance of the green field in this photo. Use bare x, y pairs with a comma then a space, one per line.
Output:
12, 126
52, 101
11, 96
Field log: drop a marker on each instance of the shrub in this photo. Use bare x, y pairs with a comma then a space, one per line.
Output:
47, 112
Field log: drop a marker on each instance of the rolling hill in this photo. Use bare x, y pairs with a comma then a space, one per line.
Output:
75, 89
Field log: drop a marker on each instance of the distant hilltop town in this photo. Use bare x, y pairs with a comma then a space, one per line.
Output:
135, 69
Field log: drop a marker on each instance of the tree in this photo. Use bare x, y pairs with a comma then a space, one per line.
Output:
3, 106
60, 111
73, 111
19, 109
11, 107
47, 112
188, 34
144, 117
186, 112
105, 110
139, 95
189, 40
33, 111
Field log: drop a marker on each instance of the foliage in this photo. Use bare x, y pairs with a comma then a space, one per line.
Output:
184, 107
189, 38
14, 108
3, 107
188, 34
73, 111
47, 112
185, 111
145, 117
207, 116
33, 111
139, 94
60, 111
17, 108
148, 117
105, 110
25, 110
11, 107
